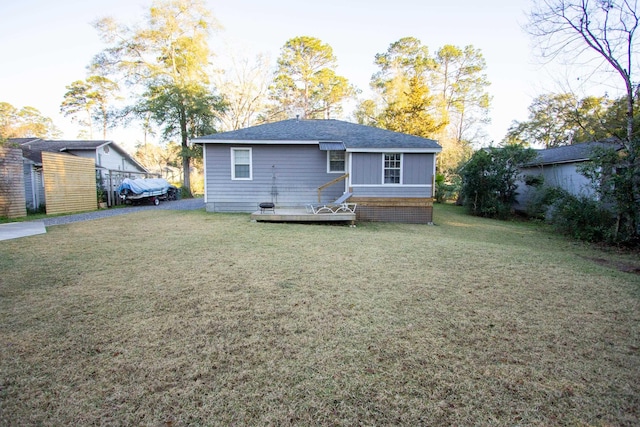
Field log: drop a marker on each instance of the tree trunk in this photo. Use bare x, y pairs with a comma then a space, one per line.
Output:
186, 156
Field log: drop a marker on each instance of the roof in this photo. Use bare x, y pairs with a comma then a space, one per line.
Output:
32, 148
572, 153
355, 137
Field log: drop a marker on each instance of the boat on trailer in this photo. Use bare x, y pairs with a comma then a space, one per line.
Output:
149, 190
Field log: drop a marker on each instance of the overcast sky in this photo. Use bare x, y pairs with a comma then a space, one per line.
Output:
47, 44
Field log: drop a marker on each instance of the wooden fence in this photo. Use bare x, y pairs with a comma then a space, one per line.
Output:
12, 202
69, 183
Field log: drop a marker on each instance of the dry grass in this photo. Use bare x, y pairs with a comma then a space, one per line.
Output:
176, 318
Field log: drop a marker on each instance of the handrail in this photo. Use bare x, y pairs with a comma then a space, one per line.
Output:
330, 183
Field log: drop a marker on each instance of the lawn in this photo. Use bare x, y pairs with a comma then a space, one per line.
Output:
189, 318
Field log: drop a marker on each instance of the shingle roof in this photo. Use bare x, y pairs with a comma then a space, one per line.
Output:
354, 136
32, 148
571, 153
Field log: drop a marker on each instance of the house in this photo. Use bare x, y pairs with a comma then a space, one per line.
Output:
295, 162
559, 167
110, 160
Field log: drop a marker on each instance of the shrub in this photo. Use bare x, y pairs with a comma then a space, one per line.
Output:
446, 190
581, 218
489, 180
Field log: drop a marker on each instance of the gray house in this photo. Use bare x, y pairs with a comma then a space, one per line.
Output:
294, 162
108, 156
559, 168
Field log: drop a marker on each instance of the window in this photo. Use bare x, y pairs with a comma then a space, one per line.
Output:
336, 161
392, 168
241, 163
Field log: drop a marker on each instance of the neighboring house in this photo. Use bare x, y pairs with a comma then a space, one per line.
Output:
296, 162
559, 168
108, 157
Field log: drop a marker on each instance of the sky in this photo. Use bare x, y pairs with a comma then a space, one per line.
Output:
45, 45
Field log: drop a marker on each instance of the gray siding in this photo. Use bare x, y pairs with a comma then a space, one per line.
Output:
33, 186
565, 176
392, 191
366, 176
366, 168
28, 186
418, 168
288, 175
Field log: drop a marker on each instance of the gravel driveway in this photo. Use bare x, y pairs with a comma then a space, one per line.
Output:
174, 205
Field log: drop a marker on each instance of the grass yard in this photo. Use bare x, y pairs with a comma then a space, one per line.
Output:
188, 318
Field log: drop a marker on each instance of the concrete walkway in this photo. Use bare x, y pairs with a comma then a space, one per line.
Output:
14, 230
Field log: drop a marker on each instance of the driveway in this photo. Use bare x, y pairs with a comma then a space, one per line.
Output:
15, 230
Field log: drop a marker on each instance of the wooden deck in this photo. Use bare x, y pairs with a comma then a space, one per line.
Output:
301, 215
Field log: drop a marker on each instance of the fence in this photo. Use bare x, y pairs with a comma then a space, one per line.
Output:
12, 201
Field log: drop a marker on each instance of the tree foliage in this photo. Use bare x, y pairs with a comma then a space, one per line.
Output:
402, 85
613, 180
244, 89
562, 119
461, 82
306, 83
88, 101
442, 96
489, 179
26, 122
168, 59
604, 29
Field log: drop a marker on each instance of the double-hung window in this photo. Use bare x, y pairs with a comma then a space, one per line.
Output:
241, 163
392, 168
336, 161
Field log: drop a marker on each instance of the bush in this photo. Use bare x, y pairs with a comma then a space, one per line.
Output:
489, 180
581, 218
542, 199
446, 190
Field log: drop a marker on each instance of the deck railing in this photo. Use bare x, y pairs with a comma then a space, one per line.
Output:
329, 184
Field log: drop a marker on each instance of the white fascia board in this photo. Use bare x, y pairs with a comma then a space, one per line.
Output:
106, 143
255, 142
394, 150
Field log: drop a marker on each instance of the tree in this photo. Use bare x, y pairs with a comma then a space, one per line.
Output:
562, 119
244, 87
168, 58
26, 122
459, 75
406, 103
614, 185
460, 87
489, 179
163, 160
90, 99
306, 83
604, 29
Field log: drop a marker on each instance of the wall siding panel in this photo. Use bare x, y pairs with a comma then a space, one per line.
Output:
392, 191
366, 168
417, 168
70, 183
288, 175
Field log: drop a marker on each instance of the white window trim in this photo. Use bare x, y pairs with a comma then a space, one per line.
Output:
329, 163
401, 170
233, 163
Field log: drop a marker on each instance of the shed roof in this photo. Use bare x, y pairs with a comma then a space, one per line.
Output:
32, 148
572, 153
352, 135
